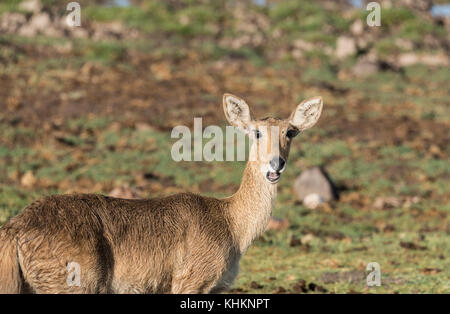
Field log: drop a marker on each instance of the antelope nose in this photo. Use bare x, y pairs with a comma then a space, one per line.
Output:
277, 163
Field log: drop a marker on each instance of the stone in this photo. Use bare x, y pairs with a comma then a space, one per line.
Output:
420, 5
313, 187
79, 32
307, 238
387, 202
297, 53
28, 179
52, 31
404, 44
142, 126
27, 31
435, 60
345, 47
11, 22
111, 30
38, 23
357, 28
407, 59
365, 67
410, 58
34, 6
313, 200
303, 45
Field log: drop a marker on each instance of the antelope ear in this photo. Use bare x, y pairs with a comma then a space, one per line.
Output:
307, 113
237, 112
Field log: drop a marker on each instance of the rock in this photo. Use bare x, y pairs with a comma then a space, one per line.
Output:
299, 47
435, 60
410, 200
314, 186
111, 30
351, 276
64, 48
303, 45
386, 202
420, 5
385, 4
365, 67
297, 53
39, 22
345, 46
407, 59
27, 31
53, 32
404, 44
11, 22
431, 41
357, 28
307, 238
34, 6
142, 126
410, 58
28, 179
79, 32
313, 200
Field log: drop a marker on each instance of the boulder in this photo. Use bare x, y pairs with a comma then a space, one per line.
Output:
357, 28
38, 23
314, 187
365, 67
411, 58
34, 6
28, 179
11, 22
303, 45
345, 47
41, 21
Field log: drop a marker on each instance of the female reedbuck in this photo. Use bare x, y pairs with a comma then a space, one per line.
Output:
183, 243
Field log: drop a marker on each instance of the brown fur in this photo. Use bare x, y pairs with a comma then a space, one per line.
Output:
119, 244
183, 243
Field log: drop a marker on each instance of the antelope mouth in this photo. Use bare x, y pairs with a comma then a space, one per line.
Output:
273, 177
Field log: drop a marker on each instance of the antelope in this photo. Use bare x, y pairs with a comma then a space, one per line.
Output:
184, 243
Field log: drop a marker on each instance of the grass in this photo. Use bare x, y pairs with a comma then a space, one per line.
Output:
344, 239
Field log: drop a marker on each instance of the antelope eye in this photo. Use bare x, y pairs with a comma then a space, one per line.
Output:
258, 134
292, 133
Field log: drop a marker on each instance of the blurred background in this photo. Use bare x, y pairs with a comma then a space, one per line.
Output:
91, 108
